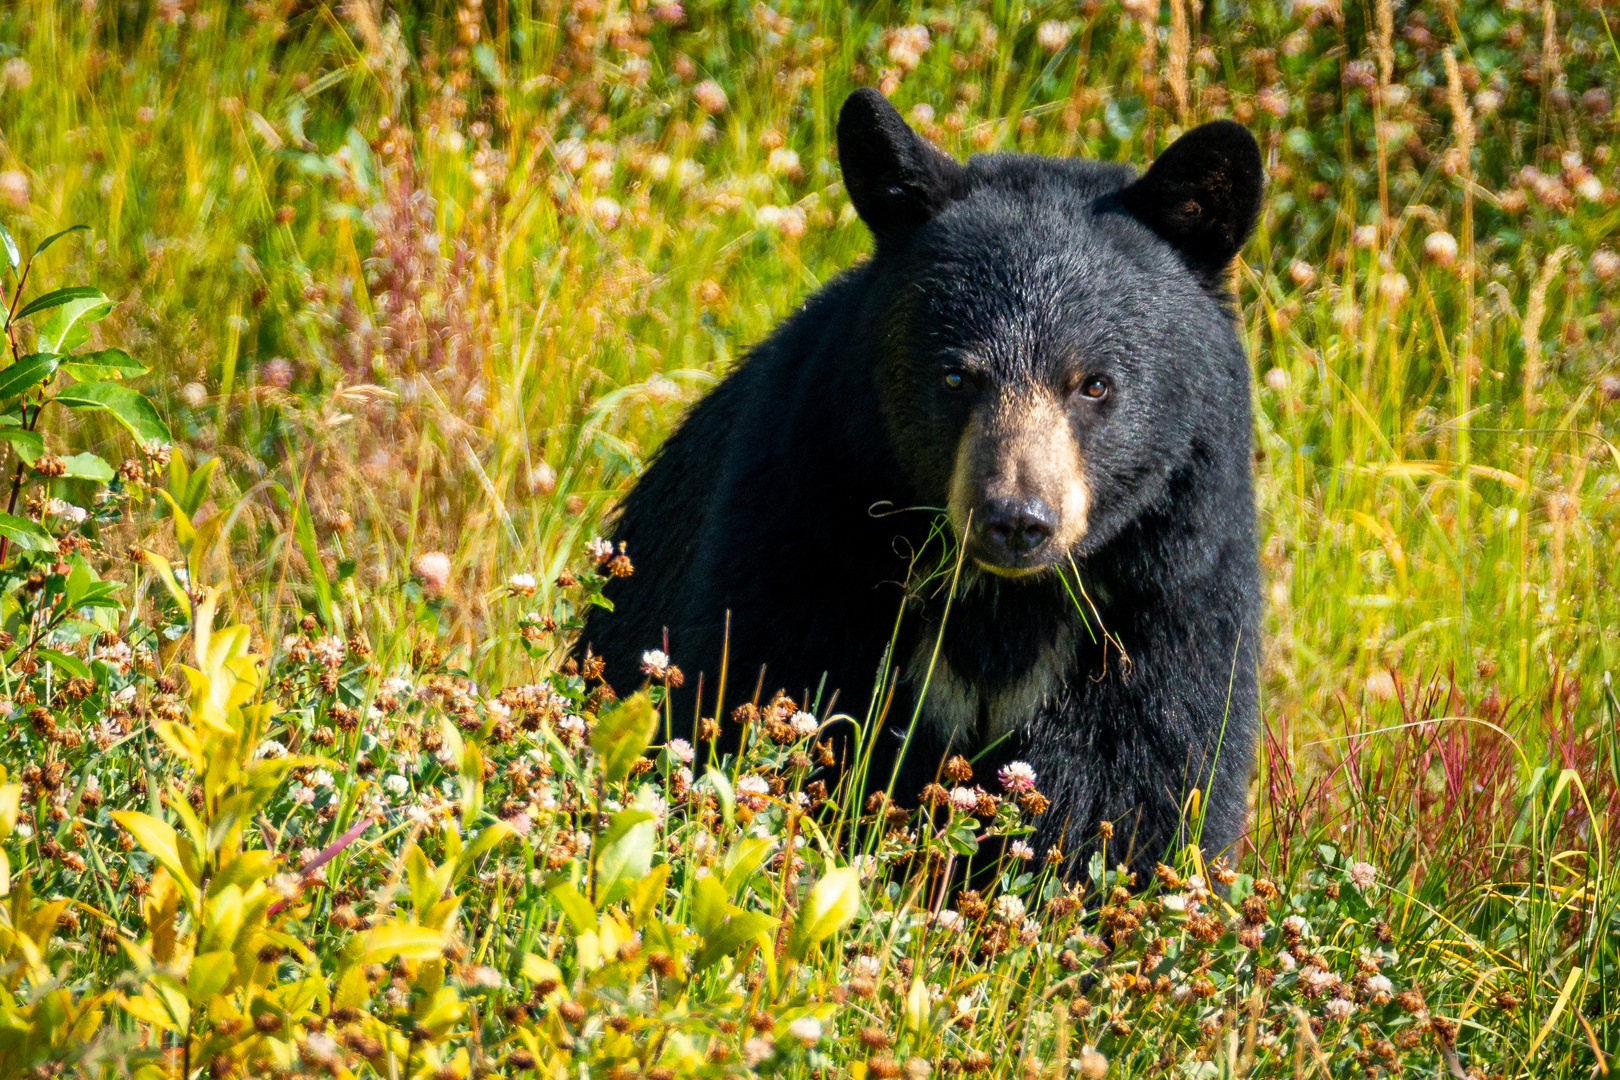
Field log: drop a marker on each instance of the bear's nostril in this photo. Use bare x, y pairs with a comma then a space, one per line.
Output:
1017, 527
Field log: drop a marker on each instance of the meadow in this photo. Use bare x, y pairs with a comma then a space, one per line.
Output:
377, 309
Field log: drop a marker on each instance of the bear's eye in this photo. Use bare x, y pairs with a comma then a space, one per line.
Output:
955, 380
1094, 387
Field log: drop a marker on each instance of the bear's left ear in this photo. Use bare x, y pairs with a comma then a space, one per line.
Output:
1202, 195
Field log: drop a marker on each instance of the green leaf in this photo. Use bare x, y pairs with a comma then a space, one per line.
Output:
740, 928
26, 373
58, 297
79, 581
68, 327
576, 907
625, 858
54, 237
29, 444
27, 535
130, 408
85, 466
9, 243
622, 734
103, 364
70, 664
832, 903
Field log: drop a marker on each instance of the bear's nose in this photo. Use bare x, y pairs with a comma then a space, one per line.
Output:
1016, 528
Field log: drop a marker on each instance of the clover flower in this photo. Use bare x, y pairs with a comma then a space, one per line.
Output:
1017, 776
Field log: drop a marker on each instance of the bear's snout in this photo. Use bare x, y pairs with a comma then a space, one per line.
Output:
1019, 497
1016, 529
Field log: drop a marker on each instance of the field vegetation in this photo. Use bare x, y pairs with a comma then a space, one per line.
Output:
379, 307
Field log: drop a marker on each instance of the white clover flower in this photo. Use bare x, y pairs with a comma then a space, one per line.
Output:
24, 830
303, 794
950, 921
397, 686
1021, 850
433, 568
804, 724
1017, 776
866, 967
1287, 961
963, 799
1052, 35
1339, 1009
757, 1049
751, 791
599, 549
270, 748
1008, 908
680, 750
807, 1029
321, 778
396, 784
1380, 984
521, 583
1363, 875
655, 662
1295, 924
329, 650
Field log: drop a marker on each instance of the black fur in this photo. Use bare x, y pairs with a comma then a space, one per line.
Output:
771, 500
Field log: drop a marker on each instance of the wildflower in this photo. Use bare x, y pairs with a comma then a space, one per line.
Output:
599, 550
1294, 927
521, 584
1017, 777
329, 650
1022, 851
65, 509
958, 770
270, 748
807, 1029
1287, 961
484, 977
949, 921
1441, 246
680, 750
964, 799
396, 784
709, 96
757, 1049
434, 570
804, 724
321, 778
655, 662
1363, 875
917, 1068
866, 967
1339, 1009
1008, 908
303, 794
1052, 35
606, 211
1605, 264
1379, 988
1093, 1065
1277, 379
751, 791
14, 187
1301, 273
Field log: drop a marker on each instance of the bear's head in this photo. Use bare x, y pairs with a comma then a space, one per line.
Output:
1053, 336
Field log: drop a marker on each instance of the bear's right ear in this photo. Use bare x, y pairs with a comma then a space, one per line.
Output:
895, 177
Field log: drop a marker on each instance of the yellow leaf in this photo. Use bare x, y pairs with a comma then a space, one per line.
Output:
160, 839
832, 903
149, 1010
538, 969
403, 940
222, 919
10, 801
210, 972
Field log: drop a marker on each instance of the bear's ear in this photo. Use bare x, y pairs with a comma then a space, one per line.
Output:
1202, 195
895, 177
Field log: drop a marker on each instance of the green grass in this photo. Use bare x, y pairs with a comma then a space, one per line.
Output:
451, 293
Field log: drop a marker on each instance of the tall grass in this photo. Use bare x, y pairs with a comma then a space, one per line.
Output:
449, 272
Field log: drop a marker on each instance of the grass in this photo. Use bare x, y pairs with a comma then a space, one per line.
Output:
447, 274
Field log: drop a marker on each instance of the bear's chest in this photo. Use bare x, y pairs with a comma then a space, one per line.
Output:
966, 709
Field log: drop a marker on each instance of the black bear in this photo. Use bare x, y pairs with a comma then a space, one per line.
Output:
1042, 353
